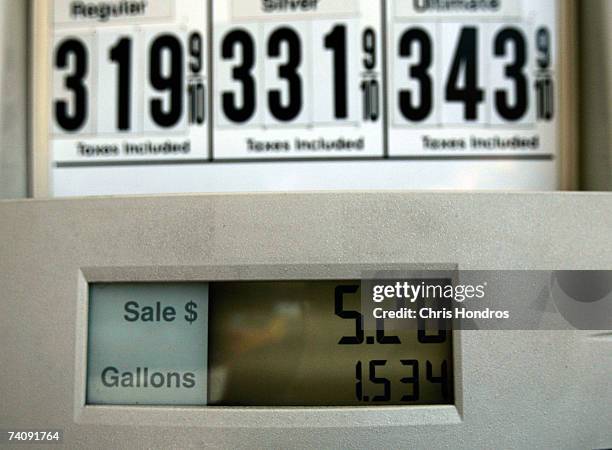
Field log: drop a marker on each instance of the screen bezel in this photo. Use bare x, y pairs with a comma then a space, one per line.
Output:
245, 417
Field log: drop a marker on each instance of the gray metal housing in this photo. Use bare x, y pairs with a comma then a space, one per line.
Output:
514, 389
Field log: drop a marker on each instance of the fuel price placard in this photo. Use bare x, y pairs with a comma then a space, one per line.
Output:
297, 79
155, 97
475, 78
129, 81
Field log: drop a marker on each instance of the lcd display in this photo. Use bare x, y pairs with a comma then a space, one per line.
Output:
256, 343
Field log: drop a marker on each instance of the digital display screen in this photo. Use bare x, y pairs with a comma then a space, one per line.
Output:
256, 343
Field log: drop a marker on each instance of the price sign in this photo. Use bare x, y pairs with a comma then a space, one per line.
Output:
130, 81
472, 78
298, 79
202, 96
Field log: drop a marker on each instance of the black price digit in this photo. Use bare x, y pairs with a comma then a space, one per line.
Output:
287, 71
422, 336
122, 55
466, 59
195, 52
386, 395
413, 379
75, 82
419, 72
336, 42
543, 48
340, 291
197, 102
514, 71
442, 379
544, 84
369, 48
545, 98
370, 87
359, 381
371, 100
173, 82
380, 334
241, 73
425, 338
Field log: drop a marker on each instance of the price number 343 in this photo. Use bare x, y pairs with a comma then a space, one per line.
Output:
462, 85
